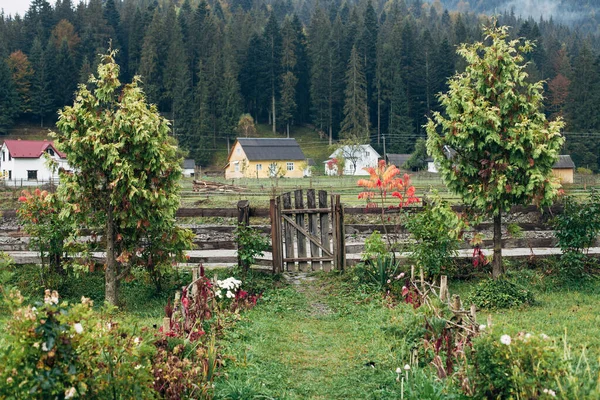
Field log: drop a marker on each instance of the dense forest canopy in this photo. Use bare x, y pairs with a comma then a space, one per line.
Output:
351, 70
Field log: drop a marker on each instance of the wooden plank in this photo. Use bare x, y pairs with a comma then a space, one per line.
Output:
324, 225
313, 227
288, 232
300, 236
307, 211
243, 207
309, 259
277, 262
302, 230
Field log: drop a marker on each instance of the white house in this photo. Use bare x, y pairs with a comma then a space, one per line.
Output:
22, 162
356, 158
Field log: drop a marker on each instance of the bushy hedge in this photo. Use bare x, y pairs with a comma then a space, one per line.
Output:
500, 293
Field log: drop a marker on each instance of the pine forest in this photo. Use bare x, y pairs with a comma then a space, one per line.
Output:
350, 70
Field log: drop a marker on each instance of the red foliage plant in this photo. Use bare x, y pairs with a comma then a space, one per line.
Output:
385, 179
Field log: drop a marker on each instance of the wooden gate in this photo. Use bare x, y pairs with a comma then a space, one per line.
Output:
311, 232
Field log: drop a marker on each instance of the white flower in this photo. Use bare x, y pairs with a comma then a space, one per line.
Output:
36, 345
482, 327
137, 340
398, 370
50, 297
44, 348
505, 339
400, 276
407, 367
527, 335
78, 328
544, 336
138, 366
70, 393
230, 295
550, 392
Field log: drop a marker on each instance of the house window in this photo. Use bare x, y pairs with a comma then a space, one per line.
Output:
10, 175
32, 175
236, 167
290, 166
259, 167
9, 157
238, 150
3, 156
50, 151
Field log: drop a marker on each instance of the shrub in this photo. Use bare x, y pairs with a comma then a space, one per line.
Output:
527, 366
374, 247
58, 350
250, 245
499, 293
40, 215
436, 231
577, 229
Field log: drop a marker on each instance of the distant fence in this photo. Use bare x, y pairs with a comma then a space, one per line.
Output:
25, 183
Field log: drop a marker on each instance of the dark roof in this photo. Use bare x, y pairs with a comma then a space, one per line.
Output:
189, 163
397, 159
271, 149
564, 162
310, 162
30, 148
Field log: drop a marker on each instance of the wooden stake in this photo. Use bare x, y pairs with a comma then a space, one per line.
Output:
489, 321
456, 305
443, 288
422, 279
474, 312
166, 325
412, 273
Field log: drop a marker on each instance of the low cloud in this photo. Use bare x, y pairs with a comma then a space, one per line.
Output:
543, 8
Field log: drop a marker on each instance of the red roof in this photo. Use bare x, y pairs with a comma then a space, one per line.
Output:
30, 148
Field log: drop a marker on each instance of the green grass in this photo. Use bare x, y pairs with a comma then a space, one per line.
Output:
302, 342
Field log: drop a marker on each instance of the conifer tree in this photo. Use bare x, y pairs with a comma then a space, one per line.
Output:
272, 38
41, 95
355, 126
289, 46
9, 97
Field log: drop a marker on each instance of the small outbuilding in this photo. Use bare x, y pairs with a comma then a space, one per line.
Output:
397, 159
265, 158
189, 167
564, 169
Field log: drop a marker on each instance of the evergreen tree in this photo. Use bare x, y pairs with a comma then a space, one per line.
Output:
9, 97
200, 146
150, 63
302, 72
65, 75
254, 78
367, 47
41, 95
229, 96
272, 39
287, 105
355, 126
318, 48
401, 131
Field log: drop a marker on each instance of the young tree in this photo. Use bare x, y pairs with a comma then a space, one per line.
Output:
497, 147
127, 170
9, 97
21, 73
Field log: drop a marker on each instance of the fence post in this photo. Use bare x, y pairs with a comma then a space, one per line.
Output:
276, 249
243, 207
339, 236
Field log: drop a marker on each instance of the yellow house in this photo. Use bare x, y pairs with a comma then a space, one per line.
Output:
564, 169
265, 158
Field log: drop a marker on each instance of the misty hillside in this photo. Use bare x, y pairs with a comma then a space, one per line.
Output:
584, 15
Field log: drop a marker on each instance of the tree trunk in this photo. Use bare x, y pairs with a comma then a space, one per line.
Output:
274, 117
288, 130
111, 289
497, 268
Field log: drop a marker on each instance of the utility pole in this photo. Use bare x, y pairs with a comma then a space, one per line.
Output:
384, 155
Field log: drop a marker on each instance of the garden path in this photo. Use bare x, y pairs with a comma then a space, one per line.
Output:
311, 340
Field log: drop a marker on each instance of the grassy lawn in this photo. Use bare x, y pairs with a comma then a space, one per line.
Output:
325, 339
